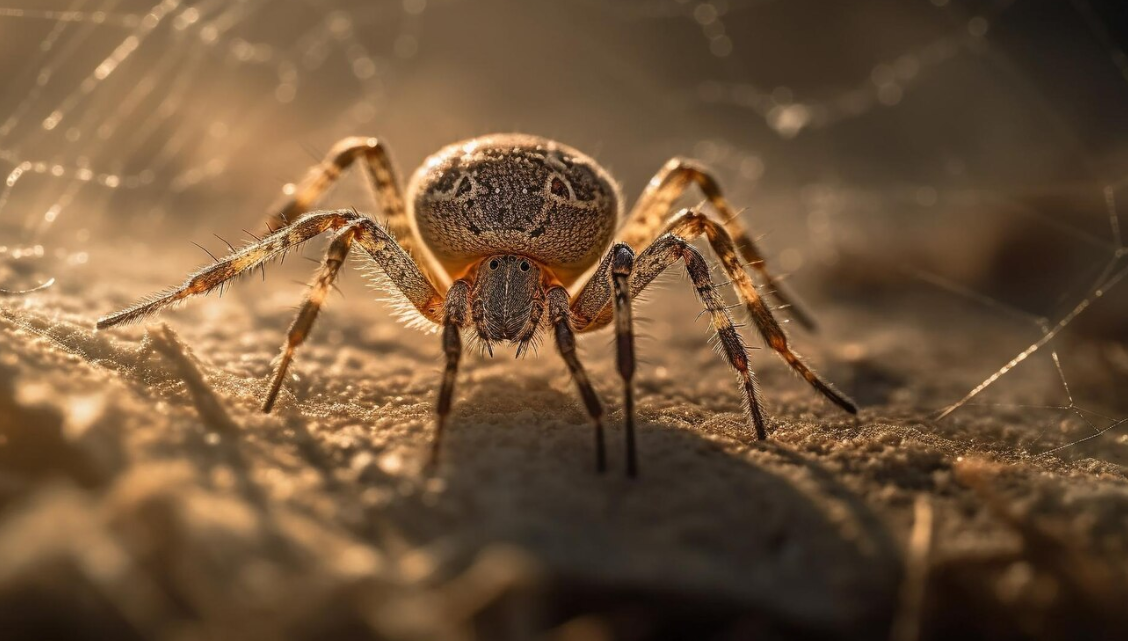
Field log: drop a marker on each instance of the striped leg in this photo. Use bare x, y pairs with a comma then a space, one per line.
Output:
593, 309
239, 262
691, 224
303, 322
382, 178
622, 264
649, 216
561, 318
404, 273
455, 315
401, 270
669, 249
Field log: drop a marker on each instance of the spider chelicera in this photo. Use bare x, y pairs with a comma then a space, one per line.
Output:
491, 236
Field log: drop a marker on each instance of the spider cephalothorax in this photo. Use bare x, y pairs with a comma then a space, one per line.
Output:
493, 232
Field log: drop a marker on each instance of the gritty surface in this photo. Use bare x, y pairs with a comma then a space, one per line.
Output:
144, 495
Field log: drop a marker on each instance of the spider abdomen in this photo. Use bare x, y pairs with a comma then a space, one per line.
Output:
514, 193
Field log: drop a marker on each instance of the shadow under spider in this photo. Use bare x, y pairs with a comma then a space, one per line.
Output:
786, 544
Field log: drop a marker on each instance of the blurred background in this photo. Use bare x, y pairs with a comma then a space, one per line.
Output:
945, 181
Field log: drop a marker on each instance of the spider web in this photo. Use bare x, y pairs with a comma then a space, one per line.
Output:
144, 113
109, 96
965, 35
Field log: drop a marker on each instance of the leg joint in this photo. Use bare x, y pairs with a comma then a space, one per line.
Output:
565, 339
622, 259
682, 164
452, 343
347, 149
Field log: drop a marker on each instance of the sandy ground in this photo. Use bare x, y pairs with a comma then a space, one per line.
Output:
142, 495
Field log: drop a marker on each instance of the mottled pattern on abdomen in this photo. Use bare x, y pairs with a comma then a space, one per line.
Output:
514, 194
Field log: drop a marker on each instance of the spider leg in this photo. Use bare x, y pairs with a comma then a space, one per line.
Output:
455, 314
404, 273
303, 322
382, 179
648, 218
691, 224
622, 264
561, 318
659, 256
247, 258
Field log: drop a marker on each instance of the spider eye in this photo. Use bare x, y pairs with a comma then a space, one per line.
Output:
494, 264
558, 188
524, 265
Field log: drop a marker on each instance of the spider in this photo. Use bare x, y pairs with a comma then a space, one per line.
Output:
493, 233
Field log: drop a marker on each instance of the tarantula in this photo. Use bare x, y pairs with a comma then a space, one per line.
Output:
493, 233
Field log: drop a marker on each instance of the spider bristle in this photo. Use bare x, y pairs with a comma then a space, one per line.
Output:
478, 344
312, 151
142, 309
532, 342
268, 250
206, 251
642, 322
402, 309
224, 241
644, 337
716, 347
735, 214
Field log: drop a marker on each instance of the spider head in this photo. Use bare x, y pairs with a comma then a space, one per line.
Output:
507, 300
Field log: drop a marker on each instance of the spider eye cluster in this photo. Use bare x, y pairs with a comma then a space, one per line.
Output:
495, 264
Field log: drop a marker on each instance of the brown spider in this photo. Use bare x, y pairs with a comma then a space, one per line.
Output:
495, 231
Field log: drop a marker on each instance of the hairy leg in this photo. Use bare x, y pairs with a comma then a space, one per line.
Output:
561, 318
303, 322
655, 259
691, 224
648, 219
622, 264
592, 306
404, 273
382, 178
455, 317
